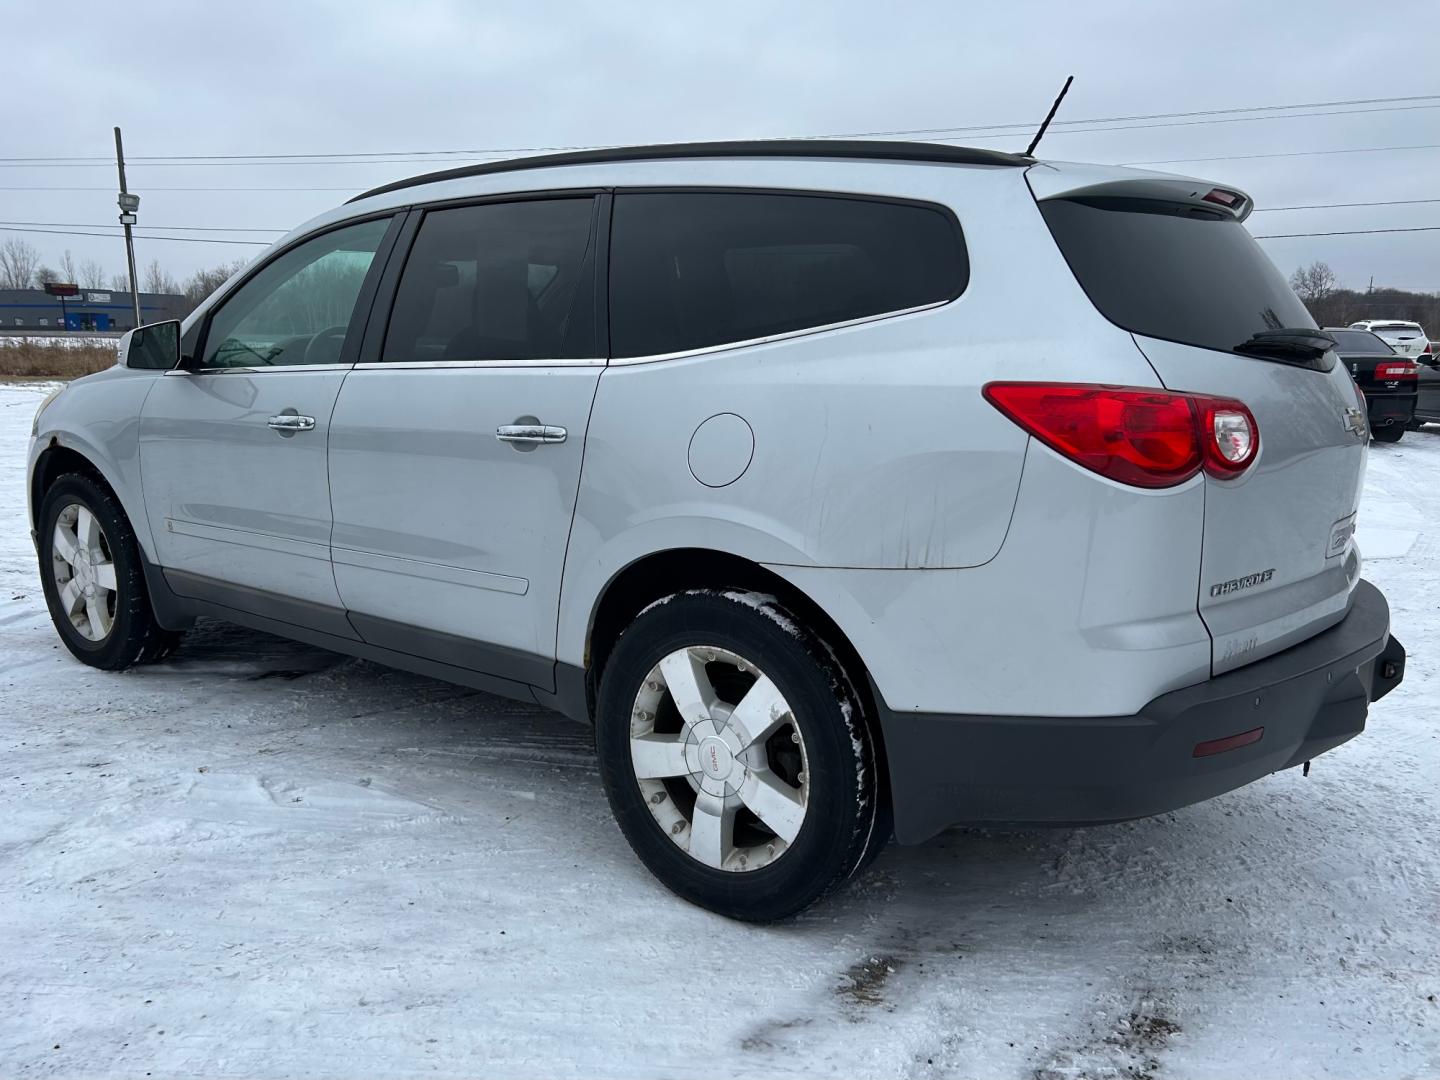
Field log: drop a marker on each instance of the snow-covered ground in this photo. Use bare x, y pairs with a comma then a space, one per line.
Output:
264, 860
73, 340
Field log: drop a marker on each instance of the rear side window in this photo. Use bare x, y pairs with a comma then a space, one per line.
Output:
1173, 271
498, 281
690, 270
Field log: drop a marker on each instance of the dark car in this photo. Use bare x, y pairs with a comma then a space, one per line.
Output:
1387, 379
1427, 402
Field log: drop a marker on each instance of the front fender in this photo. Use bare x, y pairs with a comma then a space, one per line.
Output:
98, 419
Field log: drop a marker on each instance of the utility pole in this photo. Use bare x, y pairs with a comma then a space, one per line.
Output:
129, 204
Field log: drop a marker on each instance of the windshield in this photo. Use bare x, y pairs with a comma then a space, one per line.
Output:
1173, 271
1360, 343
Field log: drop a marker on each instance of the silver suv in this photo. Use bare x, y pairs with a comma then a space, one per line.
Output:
848, 489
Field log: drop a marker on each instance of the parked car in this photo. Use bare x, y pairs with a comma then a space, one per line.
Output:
1407, 338
1427, 399
1387, 379
755, 456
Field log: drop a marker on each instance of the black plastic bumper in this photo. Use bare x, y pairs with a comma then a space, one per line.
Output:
958, 769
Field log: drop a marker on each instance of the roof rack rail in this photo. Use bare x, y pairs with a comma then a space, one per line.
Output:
860, 149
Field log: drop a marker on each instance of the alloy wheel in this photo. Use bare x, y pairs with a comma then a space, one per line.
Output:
84, 572
720, 758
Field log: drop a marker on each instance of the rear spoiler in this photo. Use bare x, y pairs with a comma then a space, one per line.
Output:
1062, 180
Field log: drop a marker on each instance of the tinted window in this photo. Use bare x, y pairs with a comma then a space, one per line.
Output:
297, 309
499, 281
1171, 271
693, 269
1360, 343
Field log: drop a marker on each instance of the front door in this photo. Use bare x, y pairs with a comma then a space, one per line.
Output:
233, 445
455, 450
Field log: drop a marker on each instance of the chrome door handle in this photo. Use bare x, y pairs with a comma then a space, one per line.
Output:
291, 422
530, 433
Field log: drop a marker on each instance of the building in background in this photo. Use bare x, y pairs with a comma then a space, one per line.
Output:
32, 310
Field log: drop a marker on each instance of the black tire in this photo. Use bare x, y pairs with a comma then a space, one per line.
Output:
845, 824
135, 637
1391, 434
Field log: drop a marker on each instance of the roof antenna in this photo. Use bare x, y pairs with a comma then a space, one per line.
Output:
1030, 150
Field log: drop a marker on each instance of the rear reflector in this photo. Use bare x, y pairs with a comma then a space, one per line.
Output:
1397, 369
1230, 742
1145, 438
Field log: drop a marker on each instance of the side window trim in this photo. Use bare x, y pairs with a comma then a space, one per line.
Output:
727, 346
363, 300
741, 189
371, 354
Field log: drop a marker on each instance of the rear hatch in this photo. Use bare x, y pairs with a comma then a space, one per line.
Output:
1169, 260
1407, 339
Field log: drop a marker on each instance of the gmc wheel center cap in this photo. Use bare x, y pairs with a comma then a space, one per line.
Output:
716, 759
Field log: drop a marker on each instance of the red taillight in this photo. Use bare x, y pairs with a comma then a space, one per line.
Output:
1146, 438
1397, 369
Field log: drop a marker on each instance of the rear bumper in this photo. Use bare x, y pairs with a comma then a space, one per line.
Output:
1391, 408
954, 769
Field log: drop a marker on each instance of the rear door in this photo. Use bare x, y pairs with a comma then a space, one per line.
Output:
1428, 403
1188, 280
456, 442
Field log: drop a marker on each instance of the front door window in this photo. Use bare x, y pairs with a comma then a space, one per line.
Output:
297, 309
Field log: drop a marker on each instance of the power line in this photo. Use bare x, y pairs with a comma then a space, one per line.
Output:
106, 225
1024, 126
1340, 205
420, 156
48, 187
1029, 125
1349, 232
112, 236
1295, 153
1194, 123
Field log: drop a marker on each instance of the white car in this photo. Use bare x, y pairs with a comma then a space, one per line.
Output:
1406, 338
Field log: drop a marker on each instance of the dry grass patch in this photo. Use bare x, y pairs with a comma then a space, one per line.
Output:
58, 357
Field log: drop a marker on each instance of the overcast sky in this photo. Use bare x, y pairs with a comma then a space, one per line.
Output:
274, 78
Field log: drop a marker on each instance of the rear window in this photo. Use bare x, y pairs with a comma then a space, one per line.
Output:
690, 270
1360, 343
1173, 271
1396, 327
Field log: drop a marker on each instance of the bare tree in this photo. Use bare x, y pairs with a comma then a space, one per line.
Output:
158, 279
92, 275
120, 282
204, 282
1314, 283
18, 262
67, 268
45, 274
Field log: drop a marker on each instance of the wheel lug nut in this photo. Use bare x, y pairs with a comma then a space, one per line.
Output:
658, 797
794, 736
677, 827
652, 686
641, 714
801, 777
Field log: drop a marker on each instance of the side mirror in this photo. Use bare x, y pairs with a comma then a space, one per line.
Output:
155, 347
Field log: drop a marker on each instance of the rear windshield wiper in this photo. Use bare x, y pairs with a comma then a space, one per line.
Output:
1298, 344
